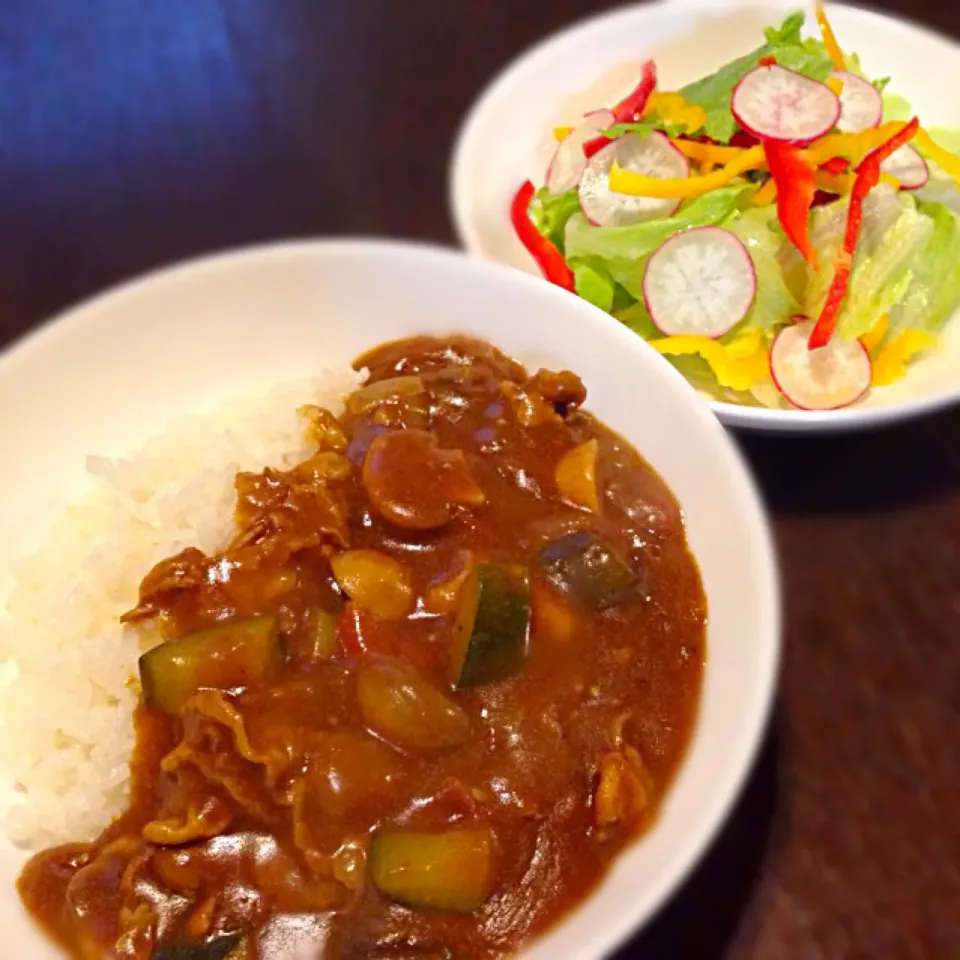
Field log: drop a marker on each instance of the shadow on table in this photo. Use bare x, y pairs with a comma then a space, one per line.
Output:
701, 920
898, 466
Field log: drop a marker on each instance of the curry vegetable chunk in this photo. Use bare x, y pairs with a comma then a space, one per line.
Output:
236, 653
490, 639
440, 675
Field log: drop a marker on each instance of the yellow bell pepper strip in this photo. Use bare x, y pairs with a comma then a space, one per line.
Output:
891, 363
561, 133
635, 184
739, 365
876, 333
835, 165
706, 152
766, 194
949, 161
840, 184
796, 184
832, 176
549, 259
829, 40
674, 110
852, 146
868, 176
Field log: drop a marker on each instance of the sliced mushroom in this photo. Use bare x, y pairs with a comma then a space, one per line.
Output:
414, 484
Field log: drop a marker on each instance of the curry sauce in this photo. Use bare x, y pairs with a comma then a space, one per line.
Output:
439, 678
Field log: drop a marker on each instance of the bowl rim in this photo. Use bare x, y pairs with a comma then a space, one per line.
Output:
511, 76
757, 528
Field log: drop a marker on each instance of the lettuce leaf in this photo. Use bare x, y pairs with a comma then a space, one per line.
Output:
698, 373
637, 318
593, 283
946, 137
551, 211
940, 188
650, 123
773, 304
893, 234
806, 56
896, 107
934, 290
624, 250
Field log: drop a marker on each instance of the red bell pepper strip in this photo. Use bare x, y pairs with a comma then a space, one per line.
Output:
590, 147
743, 139
630, 108
835, 165
796, 185
868, 176
549, 259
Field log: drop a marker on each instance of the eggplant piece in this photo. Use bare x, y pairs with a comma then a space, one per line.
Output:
234, 653
492, 625
585, 569
216, 949
451, 870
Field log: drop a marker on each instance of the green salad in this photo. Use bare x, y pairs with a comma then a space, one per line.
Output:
784, 230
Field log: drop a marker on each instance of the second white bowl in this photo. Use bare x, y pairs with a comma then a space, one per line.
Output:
507, 138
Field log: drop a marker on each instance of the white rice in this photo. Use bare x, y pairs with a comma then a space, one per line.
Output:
65, 709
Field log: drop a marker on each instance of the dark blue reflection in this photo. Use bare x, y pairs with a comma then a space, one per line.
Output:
83, 81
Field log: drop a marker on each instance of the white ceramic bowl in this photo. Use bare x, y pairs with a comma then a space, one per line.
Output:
508, 138
114, 371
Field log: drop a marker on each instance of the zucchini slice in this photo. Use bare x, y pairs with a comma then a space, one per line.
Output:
216, 949
585, 569
234, 653
492, 625
451, 870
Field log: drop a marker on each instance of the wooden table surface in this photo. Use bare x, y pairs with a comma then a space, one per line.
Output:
134, 133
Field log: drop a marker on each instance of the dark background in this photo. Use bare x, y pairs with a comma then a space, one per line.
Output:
134, 133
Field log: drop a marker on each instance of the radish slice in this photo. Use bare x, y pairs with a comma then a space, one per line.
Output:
775, 103
701, 281
861, 105
652, 155
908, 167
827, 378
568, 160
605, 118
